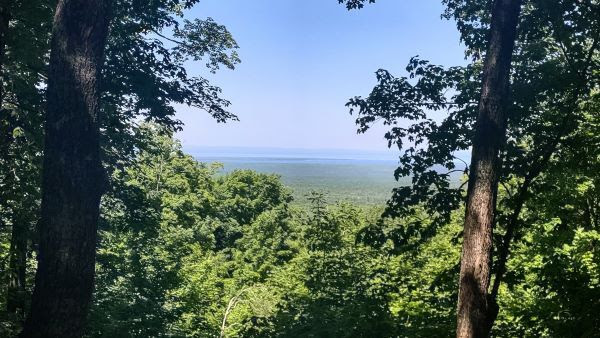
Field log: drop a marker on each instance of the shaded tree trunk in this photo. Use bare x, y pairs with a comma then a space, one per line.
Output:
5, 131
17, 250
5, 16
16, 292
474, 310
72, 177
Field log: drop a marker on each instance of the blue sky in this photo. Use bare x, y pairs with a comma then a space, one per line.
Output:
303, 59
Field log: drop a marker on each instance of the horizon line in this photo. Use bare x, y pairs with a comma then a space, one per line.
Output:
386, 150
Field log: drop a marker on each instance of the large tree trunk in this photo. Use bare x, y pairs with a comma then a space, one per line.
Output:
72, 178
474, 310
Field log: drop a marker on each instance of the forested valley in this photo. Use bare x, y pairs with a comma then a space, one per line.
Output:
109, 228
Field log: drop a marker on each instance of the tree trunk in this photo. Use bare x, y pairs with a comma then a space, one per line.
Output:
72, 177
474, 310
5, 131
5, 15
16, 292
16, 250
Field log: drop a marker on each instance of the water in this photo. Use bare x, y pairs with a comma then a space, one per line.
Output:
360, 177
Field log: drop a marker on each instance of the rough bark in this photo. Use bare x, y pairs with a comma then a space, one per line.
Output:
72, 177
490, 134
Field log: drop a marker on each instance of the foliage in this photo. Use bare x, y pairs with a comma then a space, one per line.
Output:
431, 112
187, 250
190, 243
143, 76
355, 4
292, 271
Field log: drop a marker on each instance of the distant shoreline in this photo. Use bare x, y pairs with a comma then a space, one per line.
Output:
290, 153
263, 159
301, 154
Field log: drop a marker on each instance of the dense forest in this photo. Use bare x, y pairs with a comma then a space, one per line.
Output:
108, 228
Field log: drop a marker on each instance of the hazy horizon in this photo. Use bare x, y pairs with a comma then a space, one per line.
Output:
216, 152
291, 153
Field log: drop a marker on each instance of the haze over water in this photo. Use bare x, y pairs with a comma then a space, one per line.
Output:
365, 177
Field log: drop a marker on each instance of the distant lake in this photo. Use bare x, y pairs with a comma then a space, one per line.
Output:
366, 179
361, 177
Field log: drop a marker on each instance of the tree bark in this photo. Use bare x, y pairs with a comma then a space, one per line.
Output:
16, 292
16, 265
6, 131
72, 178
474, 310
5, 15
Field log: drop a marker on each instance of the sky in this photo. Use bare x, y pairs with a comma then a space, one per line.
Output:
301, 62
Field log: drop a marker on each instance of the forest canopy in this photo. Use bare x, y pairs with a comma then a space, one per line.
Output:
106, 218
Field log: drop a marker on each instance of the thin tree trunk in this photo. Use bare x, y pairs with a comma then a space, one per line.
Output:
18, 242
490, 134
232, 303
15, 296
5, 15
72, 177
6, 132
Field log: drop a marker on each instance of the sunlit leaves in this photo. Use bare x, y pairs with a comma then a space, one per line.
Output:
206, 38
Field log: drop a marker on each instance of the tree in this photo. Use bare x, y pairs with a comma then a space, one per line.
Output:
474, 310
177, 241
24, 45
5, 16
143, 74
73, 179
489, 139
156, 213
150, 47
551, 284
551, 76
344, 286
